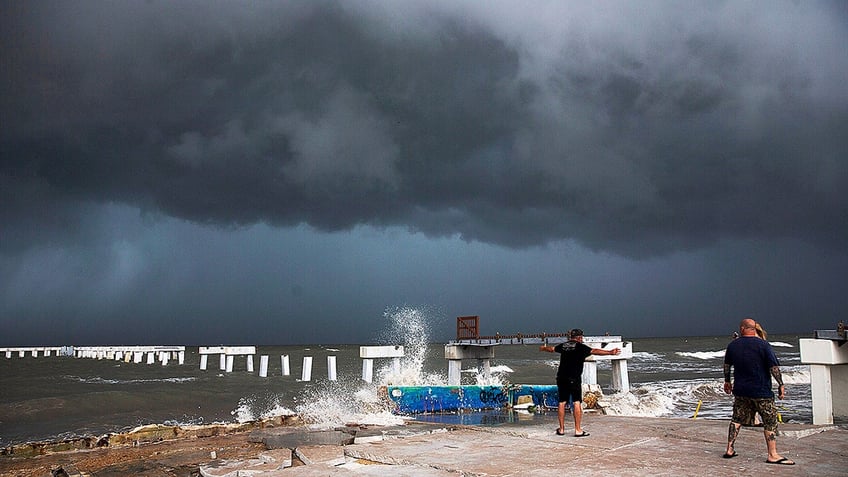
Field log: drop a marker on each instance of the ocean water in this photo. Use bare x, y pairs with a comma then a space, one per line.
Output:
50, 398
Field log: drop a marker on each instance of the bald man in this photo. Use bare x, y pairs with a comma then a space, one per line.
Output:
754, 365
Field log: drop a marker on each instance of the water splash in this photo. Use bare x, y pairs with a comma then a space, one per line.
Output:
343, 403
352, 401
257, 407
409, 327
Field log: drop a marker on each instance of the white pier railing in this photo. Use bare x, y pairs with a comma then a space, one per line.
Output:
33, 351
136, 354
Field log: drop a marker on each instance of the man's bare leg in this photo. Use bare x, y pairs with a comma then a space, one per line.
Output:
561, 416
732, 434
577, 410
771, 445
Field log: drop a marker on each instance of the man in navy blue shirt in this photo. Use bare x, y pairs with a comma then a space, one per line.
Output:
754, 365
569, 377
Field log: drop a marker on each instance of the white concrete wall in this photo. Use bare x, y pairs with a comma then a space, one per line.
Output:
828, 362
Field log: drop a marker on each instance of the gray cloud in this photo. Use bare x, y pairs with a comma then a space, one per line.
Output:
638, 129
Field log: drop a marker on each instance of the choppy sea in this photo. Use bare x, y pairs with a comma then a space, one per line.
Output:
53, 398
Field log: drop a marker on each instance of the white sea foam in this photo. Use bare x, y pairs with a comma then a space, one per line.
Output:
644, 356
334, 405
662, 399
781, 344
497, 375
701, 354
797, 375
648, 404
99, 380
254, 409
501, 369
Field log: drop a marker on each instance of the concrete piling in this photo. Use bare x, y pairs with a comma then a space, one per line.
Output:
306, 374
368, 370
284, 360
369, 353
331, 368
263, 366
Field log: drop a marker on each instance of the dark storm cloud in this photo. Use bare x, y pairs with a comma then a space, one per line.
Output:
635, 128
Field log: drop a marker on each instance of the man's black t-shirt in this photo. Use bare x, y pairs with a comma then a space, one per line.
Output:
572, 354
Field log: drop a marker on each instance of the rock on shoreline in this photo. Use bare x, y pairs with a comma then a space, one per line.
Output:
153, 450
142, 435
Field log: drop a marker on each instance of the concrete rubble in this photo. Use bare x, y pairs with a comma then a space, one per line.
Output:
621, 446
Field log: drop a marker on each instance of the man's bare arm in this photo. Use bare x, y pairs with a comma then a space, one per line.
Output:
775, 373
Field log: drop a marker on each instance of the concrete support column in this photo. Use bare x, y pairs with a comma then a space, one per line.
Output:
284, 361
204, 360
151, 357
331, 368
223, 364
181, 357
306, 374
249, 362
367, 370
590, 372
369, 353
263, 366
620, 378
454, 372
456, 353
230, 360
821, 388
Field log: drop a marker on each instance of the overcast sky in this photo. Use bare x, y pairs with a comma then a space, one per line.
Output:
176, 172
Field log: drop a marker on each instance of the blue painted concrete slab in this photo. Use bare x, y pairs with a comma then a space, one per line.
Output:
435, 399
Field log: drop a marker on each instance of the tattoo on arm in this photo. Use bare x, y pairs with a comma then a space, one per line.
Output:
727, 373
775, 372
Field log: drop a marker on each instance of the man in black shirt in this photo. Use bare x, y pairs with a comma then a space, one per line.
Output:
569, 376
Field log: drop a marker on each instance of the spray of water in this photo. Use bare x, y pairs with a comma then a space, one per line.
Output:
258, 407
353, 401
344, 403
409, 326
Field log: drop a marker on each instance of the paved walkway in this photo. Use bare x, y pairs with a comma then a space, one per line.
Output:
618, 446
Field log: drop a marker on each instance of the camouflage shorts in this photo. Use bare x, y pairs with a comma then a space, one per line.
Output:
744, 409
